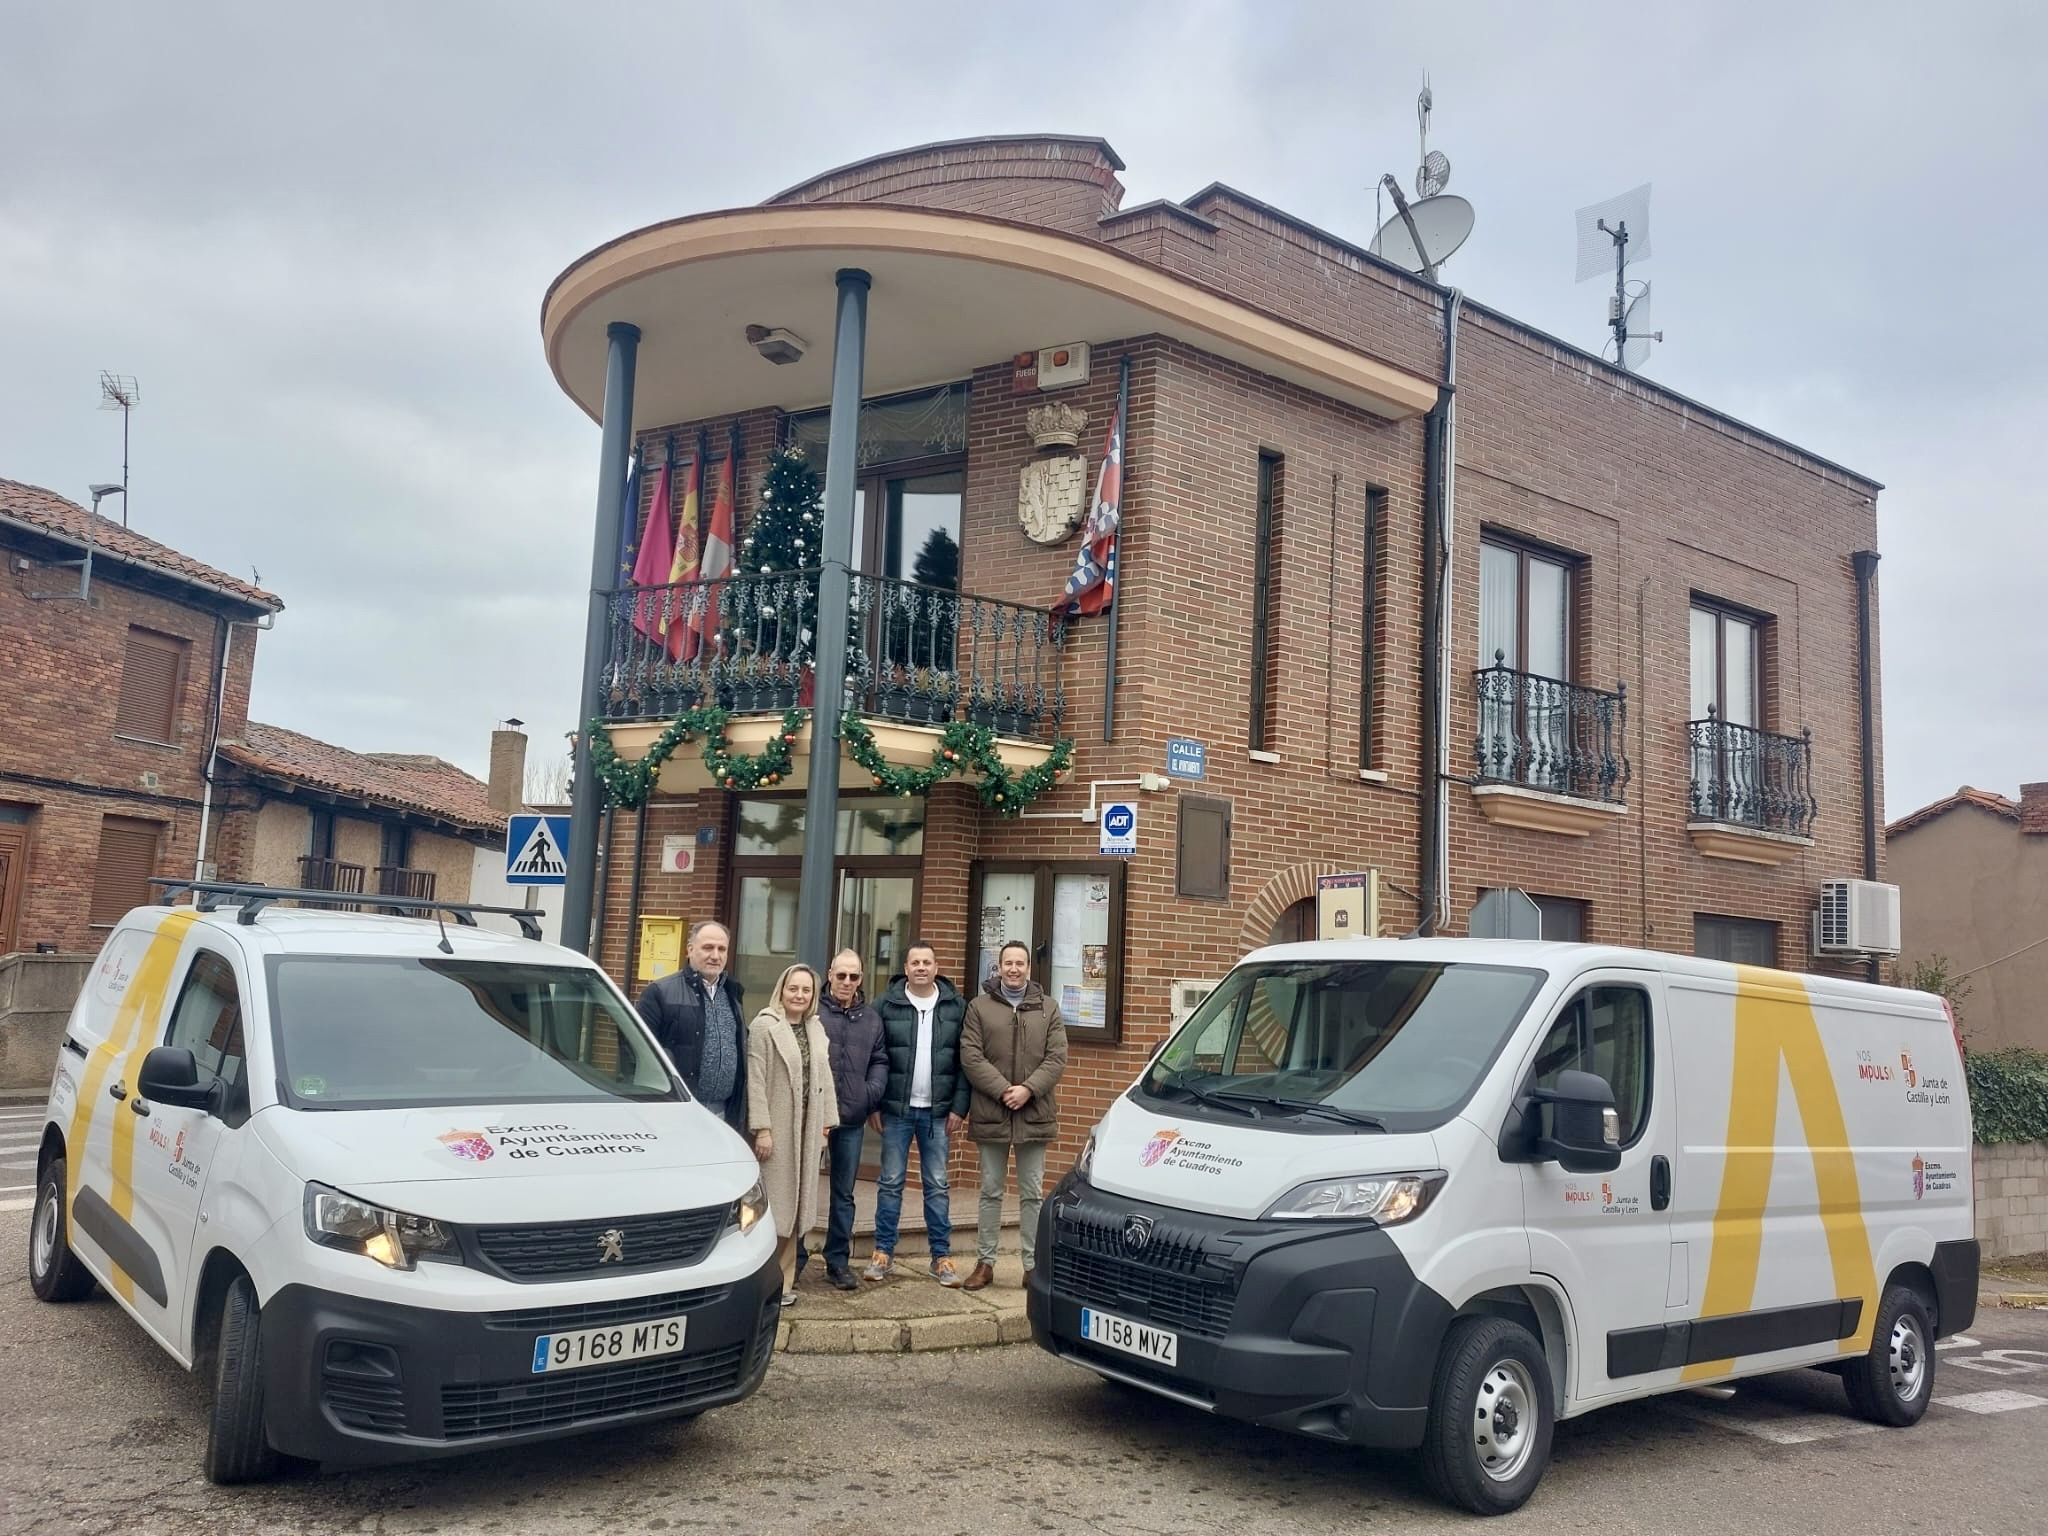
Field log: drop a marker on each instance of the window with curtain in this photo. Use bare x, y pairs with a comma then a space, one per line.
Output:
1738, 940
1525, 626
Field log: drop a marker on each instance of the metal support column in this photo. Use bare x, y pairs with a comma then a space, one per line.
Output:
835, 588
586, 800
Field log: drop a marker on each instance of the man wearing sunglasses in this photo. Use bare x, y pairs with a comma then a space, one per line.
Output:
860, 1071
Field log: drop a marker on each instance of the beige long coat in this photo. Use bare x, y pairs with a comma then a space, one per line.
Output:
775, 1075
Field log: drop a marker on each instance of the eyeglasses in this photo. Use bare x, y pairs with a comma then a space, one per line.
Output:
846, 975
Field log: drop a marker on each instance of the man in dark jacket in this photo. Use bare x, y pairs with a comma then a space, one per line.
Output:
860, 1072
1013, 1052
925, 1100
699, 1016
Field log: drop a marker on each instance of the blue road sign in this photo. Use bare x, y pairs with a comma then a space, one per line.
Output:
1186, 758
1119, 827
536, 850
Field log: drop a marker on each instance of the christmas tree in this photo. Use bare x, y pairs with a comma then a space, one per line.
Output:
785, 535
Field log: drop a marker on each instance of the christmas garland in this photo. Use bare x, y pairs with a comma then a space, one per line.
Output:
961, 747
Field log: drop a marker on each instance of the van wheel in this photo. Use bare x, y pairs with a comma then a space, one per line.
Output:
1490, 1416
54, 1272
1894, 1382
237, 1449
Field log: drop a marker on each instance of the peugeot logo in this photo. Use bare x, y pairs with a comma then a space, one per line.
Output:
611, 1246
1137, 1233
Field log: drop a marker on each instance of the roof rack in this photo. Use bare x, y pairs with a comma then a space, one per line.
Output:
208, 895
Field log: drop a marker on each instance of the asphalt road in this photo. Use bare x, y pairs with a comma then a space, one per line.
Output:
21, 1128
99, 1432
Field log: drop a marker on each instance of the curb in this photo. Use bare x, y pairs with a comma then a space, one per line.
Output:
979, 1329
2028, 1299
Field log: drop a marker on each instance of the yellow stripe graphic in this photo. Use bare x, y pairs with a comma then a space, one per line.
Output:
123, 1049
1774, 1022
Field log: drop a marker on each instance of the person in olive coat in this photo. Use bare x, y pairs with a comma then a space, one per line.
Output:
1013, 1052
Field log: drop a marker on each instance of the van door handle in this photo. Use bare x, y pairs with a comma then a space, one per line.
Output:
140, 1106
76, 1049
1660, 1183
116, 1091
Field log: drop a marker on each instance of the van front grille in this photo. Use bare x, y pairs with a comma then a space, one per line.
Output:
570, 1398
670, 1240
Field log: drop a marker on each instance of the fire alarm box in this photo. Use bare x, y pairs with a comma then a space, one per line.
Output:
1059, 367
661, 948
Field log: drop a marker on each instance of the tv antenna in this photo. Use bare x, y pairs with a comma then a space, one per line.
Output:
1607, 231
119, 392
1423, 235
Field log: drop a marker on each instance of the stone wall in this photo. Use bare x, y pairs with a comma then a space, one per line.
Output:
2012, 1198
36, 994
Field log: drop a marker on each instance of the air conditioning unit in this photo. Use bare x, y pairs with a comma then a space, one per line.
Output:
1856, 917
1184, 997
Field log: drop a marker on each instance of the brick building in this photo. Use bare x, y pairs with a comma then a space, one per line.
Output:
1637, 695
126, 662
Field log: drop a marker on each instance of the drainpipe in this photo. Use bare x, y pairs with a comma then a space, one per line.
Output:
1438, 446
633, 897
1866, 687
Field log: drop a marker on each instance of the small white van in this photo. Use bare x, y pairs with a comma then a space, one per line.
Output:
400, 1189
1441, 1193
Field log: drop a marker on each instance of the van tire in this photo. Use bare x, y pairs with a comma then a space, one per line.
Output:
237, 1448
54, 1272
1893, 1382
1491, 1377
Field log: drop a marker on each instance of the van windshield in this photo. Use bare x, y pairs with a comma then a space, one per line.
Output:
389, 1032
1337, 1045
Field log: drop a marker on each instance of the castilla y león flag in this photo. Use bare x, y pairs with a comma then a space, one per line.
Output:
1092, 587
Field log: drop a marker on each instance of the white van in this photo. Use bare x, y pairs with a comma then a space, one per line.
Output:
399, 1190
1441, 1193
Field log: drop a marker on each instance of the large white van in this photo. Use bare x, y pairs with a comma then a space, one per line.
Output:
1441, 1193
399, 1190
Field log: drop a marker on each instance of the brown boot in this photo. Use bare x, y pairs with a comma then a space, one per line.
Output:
981, 1278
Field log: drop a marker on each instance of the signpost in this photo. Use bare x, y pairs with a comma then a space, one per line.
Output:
1186, 758
536, 850
1505, 913
1119, 828
1348, 906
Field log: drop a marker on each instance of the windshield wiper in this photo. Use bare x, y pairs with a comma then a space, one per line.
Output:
1178, 1079
1305, 1107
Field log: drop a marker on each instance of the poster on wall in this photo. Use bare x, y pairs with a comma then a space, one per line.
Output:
1008, 911
1080, 948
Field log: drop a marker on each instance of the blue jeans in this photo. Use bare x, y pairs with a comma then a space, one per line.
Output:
845, 1150
929, 1127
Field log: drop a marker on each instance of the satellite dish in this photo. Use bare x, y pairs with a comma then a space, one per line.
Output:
1433, 175
1635, 350
1424, 235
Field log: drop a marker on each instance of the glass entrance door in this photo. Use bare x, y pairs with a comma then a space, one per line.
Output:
764, 941
874, 921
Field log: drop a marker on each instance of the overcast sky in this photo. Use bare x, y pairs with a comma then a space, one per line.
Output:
319, 237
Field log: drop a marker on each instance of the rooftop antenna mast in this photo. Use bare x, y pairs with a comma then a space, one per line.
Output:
1422, 236
119, 392
1607, 230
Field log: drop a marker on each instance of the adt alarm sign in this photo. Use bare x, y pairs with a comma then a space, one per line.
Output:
1119, 828
1186, 758
536, 850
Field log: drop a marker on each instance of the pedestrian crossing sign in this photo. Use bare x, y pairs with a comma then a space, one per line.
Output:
536, 850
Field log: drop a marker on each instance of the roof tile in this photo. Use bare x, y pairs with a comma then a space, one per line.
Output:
66, 519
403, 781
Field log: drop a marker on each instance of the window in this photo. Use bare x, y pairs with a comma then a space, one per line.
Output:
208, 1023
1525, 598
1739, 940
1265, 562
1724, 666
1564, 920
1202, 851
121, 873
1072, 916
152, 675
1296, 925
1369, 655
1605, 1031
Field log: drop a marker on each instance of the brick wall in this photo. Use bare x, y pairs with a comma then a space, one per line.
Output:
2012, 1198
1060, 183
59, 756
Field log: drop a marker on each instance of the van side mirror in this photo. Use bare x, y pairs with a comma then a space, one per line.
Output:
1578, 1127
170, 1075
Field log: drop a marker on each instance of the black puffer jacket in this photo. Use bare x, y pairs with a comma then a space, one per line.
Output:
899, 1033
860, 1061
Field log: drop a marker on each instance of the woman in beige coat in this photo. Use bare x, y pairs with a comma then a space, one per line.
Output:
791, 1106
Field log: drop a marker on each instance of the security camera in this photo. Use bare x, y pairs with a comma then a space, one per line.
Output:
776, 344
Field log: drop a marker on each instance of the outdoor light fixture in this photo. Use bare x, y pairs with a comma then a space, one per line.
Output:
99, 491
776, 344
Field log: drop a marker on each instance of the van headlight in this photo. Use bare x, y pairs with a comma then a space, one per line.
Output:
749, 1208
1385, 1199
393, 1238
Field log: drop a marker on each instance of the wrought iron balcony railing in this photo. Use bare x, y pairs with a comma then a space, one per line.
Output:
917, 654
1546, 734
1751, 778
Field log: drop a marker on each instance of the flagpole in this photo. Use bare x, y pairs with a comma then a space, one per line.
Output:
1116, 591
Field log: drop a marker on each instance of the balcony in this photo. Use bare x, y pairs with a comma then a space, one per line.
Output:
919, 658
1751, 792
1548, 756
393, 880
330, 875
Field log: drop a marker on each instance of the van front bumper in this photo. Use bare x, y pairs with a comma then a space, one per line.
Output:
1319, 1328
350, 1381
